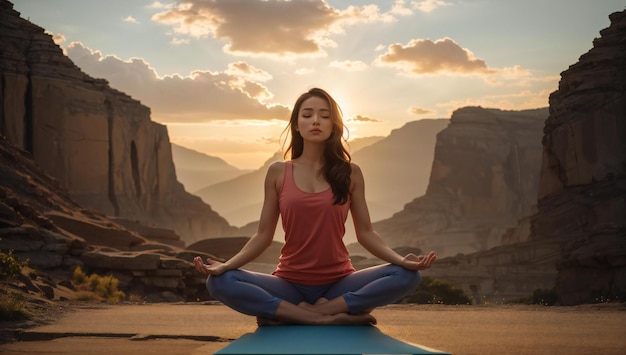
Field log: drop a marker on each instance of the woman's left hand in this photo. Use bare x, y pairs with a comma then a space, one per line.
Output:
419, 262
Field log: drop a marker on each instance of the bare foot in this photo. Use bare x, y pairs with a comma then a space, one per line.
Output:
353, 319
307, 306
321, 300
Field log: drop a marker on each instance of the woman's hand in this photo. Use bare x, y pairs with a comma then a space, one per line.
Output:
418, 262
212, 267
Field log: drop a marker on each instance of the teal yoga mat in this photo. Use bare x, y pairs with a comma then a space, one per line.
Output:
321, 340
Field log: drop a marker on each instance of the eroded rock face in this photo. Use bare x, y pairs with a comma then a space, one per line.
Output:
99, 143
39, 222
582, 194
484, 178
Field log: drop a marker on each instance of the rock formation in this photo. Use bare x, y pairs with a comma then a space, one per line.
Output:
99, 143
582, 191
484, 177
39, 222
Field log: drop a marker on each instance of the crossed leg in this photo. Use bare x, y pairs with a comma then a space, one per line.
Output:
273, 300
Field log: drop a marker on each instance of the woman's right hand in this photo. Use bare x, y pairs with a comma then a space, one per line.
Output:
212, 267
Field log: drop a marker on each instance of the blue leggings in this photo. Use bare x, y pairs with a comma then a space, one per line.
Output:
259, 294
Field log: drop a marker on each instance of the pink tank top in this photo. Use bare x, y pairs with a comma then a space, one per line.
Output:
314, 252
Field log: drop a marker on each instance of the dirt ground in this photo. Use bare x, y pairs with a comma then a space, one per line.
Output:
203, 328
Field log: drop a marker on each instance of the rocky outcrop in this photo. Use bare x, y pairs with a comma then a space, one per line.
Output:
484, 178
99, 143
39, 222
582, 194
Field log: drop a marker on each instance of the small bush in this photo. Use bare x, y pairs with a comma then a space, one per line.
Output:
135, 298
96, 288
10, 267
13, 305
432, 291
546, 297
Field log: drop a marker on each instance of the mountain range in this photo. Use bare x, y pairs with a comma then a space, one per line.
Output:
396, 170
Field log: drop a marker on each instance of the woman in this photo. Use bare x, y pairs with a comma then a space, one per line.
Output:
315, 282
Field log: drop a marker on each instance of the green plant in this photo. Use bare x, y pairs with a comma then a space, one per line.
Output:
95, 287
10, 267
433, 291
13, 305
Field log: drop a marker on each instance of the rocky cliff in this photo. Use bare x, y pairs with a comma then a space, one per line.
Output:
582, 191
484, 177
41, 224
99, 143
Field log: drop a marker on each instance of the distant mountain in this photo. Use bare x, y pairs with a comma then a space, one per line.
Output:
484, 178
396, 170
360, 143
239, 200
196, 170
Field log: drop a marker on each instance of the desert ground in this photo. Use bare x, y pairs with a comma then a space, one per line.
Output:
204, 328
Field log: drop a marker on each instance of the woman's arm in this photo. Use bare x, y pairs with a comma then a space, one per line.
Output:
369, 238
262, 239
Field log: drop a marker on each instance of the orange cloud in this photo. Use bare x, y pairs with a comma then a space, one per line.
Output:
423, 56
360, 118
202, 96
274, 28
419, 111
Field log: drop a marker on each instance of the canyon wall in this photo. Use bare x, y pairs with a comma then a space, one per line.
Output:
582, 191
484, 178
99, 143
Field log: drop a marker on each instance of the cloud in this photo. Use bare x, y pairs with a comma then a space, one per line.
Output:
349, 65
131, 19
304, 71
419, 111
159, 5
201, 96
58, 38
247, 71
429, 5
399, 8
180, 41
272, 28
423, 56
361, 119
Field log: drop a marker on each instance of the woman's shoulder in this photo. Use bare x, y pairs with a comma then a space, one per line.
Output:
275, 174
355, 168
277, 169
278, 165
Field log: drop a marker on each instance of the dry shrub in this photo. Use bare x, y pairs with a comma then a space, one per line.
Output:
96, 288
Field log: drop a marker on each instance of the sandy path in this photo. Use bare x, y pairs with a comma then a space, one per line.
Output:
204, 329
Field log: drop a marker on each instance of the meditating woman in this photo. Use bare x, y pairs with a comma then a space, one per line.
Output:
314, 282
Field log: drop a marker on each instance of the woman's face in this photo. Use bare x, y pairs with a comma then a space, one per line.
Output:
314, 120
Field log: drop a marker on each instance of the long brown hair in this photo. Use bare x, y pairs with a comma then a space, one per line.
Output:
336, 169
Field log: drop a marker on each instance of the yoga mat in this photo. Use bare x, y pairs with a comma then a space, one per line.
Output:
321, 340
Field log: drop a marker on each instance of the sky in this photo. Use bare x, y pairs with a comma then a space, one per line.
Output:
222, 75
